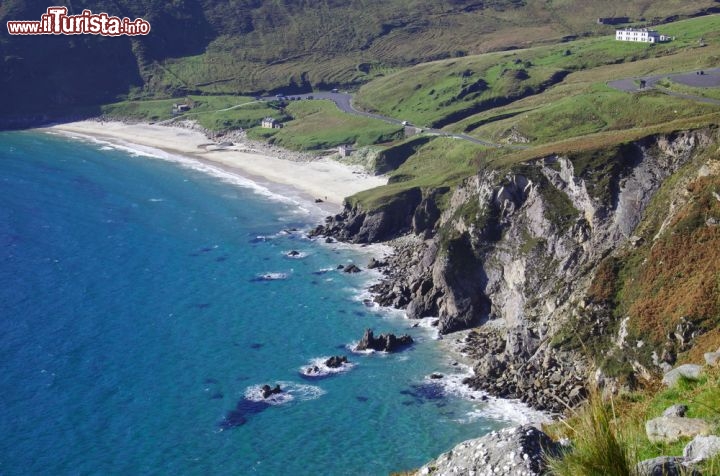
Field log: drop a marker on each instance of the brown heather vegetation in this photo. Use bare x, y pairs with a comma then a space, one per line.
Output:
679, 277
605, 282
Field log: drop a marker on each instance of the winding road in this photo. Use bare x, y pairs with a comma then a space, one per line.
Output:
344, 102
709, 78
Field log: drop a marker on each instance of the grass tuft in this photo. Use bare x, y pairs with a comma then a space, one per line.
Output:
599, 445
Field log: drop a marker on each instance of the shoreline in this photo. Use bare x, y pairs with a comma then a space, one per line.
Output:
288, 183
308, 179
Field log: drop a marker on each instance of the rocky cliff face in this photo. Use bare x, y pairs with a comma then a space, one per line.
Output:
515, 253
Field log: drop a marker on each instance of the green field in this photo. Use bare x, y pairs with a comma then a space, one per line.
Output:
216, 113
320, 125
445, 92
441, 162
712, 93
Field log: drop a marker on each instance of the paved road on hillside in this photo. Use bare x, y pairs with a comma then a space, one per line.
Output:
344, 102
711, 78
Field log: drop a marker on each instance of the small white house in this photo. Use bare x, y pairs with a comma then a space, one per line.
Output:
345, 150
270, 123
641, 35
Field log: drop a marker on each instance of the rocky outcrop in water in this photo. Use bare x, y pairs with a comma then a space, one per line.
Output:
383, 342
514, 253
267, 391
336, 361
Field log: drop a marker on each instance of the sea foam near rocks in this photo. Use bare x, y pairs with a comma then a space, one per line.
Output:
323, 369
291, 391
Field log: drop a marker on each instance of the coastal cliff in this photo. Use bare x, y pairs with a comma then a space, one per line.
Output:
539, 258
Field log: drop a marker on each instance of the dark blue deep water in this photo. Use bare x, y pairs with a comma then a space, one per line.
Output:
133, 322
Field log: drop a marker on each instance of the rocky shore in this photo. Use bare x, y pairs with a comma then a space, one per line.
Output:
514, 255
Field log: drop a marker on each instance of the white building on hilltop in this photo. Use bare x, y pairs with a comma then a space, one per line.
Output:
642, 35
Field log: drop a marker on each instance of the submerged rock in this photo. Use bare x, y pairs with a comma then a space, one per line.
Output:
384, 342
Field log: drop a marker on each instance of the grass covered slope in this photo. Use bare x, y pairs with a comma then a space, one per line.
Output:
318, 125
218, 47
466, 89
608, 437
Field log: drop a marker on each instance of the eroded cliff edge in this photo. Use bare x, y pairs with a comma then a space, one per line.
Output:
537, 258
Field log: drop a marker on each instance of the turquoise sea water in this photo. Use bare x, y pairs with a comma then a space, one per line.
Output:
135, 319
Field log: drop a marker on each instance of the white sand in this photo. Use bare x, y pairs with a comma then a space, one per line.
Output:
320, 178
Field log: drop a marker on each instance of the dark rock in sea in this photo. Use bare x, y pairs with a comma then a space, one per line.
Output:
312, 370
340, 266
374, 264
319, 200
384, 342
368, 303
317, 231
237, 417
267, 391
293, 253
336, 361
329, 240
436, 376
352, 269
232, 419
428, 391
361, 398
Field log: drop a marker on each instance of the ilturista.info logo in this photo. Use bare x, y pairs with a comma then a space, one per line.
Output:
57, 22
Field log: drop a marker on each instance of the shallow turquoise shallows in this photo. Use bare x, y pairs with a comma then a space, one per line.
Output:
142, 303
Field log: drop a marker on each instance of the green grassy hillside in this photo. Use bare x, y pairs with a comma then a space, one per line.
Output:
245, 46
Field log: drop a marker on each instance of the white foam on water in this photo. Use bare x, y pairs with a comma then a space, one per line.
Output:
324, 370
290, 391
324, 270
300, 255
272, 276
352, 347
300, 207
487, 407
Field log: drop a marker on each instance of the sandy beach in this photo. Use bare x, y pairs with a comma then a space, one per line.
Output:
322, 178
